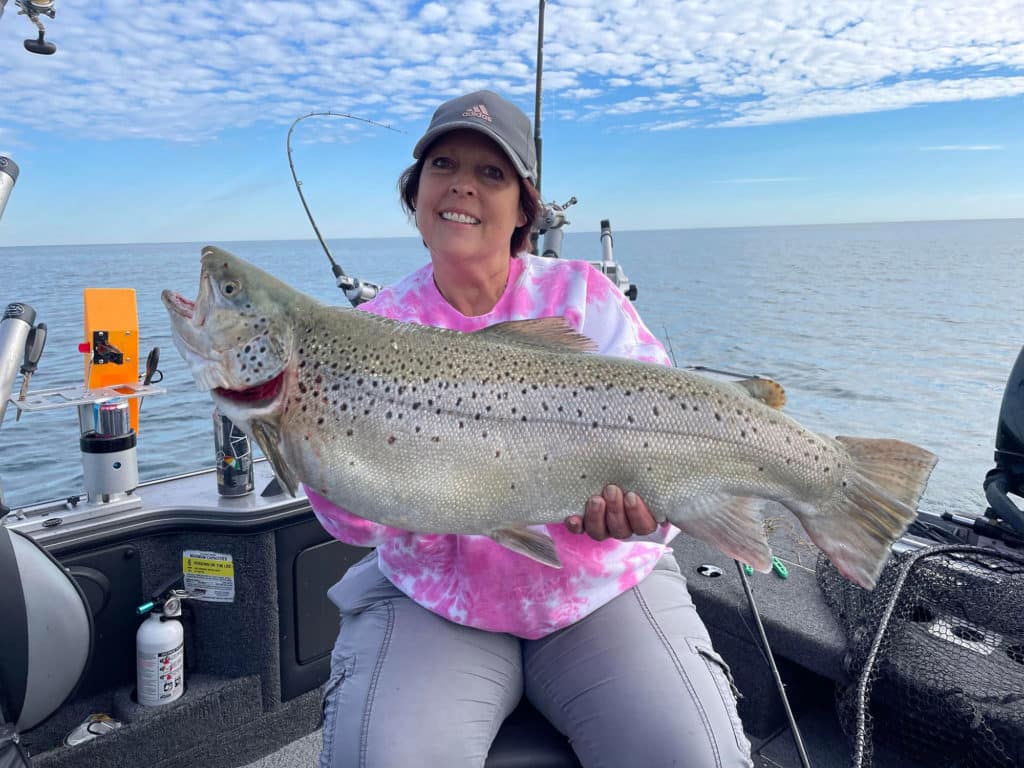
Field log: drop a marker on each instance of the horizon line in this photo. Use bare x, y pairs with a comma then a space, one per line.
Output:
580, 232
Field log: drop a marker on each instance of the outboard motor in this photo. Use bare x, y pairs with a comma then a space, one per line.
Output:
1008, 475
46, 635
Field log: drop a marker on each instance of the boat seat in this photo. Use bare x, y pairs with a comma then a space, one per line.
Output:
46, 634
527, 740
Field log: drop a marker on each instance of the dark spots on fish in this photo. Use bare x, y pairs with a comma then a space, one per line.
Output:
348, 432
844, 483
497, 454
656, 411
391, 439
435, 439
718, 416
388, 415
462, 425
630, 419
646, 444
593, 425
344, 406
583, 476
545, 457
305, 408
826, 469
320, 421
579, 413
743, 433
523, 419
366, 412
418, 430
483, 435
513, 486
760, 469
788, 439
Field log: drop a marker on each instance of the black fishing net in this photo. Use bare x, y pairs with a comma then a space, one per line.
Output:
936, 657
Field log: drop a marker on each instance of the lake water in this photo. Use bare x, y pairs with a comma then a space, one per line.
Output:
878, 330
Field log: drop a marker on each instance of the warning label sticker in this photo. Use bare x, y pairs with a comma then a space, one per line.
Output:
209, 576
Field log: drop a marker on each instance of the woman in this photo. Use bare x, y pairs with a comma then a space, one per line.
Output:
441, 635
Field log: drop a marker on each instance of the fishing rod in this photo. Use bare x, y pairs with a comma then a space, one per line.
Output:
537, 88
355, 290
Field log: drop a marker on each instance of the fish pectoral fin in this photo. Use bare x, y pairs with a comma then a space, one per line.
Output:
769, 392
733, 524
553, 334
530, 543
268, 438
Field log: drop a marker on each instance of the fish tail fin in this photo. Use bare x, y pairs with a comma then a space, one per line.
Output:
876, 504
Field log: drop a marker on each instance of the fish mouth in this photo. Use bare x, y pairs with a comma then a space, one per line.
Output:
179, 304
260, 395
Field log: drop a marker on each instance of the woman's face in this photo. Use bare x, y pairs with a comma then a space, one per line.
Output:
467, 203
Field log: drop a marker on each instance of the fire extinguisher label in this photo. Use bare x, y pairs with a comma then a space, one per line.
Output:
209, 576
161, 675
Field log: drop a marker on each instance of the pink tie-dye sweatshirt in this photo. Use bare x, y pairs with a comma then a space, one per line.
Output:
472, 580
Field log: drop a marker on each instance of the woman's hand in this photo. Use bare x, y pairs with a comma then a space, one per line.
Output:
614, 515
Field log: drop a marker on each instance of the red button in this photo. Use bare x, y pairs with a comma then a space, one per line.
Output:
85, 348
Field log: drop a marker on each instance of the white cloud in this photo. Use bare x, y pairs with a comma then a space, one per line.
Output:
433, 13
187, 71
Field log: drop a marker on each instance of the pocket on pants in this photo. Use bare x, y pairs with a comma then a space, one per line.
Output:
726, 685
329, 703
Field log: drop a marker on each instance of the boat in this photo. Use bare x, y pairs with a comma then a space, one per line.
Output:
81, 574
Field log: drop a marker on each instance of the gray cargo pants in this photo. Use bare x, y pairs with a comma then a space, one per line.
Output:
636, 683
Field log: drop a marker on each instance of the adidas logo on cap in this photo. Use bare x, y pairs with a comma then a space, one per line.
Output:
479, 111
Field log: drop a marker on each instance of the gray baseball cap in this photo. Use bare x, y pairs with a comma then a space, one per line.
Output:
493, 116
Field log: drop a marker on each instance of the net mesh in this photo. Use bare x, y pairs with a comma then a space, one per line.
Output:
936, 656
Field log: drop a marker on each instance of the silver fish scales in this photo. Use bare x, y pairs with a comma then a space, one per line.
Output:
488, 433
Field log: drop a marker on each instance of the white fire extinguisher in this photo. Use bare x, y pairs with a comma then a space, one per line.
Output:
160, 652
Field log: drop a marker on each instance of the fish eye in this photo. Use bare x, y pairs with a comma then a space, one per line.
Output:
230, 287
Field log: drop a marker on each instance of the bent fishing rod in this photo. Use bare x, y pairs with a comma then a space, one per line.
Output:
355, 290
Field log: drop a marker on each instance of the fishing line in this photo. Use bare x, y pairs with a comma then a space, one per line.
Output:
348, 285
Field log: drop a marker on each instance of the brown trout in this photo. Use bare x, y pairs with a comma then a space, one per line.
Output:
438, 431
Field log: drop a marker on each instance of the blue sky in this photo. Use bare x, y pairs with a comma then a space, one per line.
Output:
161, 122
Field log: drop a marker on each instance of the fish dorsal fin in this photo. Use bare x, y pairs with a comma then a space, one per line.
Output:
769, 392
551, 333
